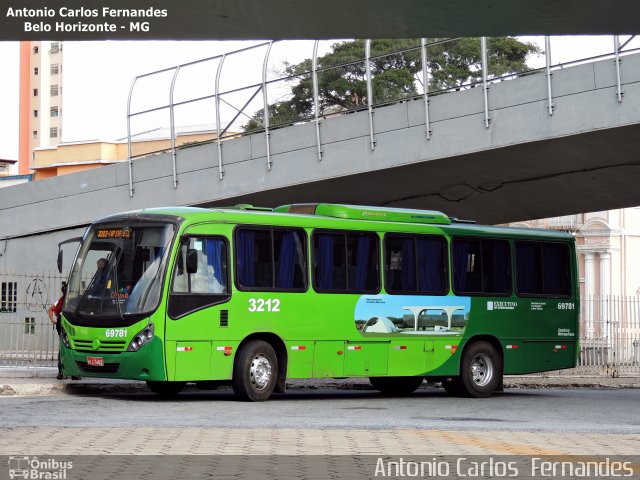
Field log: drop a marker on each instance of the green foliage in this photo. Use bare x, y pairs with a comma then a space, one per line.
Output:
279, 113
342, 72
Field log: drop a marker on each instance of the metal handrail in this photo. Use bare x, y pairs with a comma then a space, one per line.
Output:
317, 70
173, 127
372, 138
485, 87
265, 117
316, 107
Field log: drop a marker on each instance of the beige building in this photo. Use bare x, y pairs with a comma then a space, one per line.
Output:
71, 157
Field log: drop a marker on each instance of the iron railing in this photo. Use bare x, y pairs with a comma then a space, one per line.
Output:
610, 336
235, 104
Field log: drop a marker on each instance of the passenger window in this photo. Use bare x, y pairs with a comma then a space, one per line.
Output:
543, 269
481, 267
346, 262
415, 264
209, 257
200, 276
496, 267
269, 259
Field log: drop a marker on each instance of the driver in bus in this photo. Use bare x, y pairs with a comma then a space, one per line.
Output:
100, 281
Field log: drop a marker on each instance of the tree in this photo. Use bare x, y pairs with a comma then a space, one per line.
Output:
395, 67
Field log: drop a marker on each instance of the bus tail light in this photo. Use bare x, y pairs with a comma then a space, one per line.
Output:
225, 350
142, 338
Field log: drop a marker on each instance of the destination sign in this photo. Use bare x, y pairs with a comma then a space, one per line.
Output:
114, 233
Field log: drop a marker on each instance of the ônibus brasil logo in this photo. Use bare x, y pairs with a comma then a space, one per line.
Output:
40, 469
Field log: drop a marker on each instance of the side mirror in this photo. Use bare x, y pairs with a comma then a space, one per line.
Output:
192, 261
70, 240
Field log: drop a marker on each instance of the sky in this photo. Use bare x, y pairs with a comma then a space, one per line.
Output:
98, 76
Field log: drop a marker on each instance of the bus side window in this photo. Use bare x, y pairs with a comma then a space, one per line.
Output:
271, 259
346, 262
401, 264
180, 283
481, 266
543, 269
415, 264
210, 275
205, 283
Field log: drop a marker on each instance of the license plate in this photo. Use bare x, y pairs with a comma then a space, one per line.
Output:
95, 361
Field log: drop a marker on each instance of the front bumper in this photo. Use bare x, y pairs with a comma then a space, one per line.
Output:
145, 364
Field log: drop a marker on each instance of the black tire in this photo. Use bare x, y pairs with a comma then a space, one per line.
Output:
481, 370
166, 389
255, 371
396, 386
451, 385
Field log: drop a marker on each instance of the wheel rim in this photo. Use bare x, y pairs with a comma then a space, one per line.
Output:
481, 369
260, 371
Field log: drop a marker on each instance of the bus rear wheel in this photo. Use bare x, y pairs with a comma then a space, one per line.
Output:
255, 371
396, 386
166, 389
481, 370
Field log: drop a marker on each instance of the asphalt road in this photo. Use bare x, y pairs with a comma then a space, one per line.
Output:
615, 411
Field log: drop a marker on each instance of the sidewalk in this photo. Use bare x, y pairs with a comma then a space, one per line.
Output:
15, 382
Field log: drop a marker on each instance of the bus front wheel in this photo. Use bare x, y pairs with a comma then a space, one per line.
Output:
166, 389
481, 370
396, 386
255, 371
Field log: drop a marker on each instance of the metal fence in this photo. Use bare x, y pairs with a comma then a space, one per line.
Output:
28, 339
609, 328
609, 336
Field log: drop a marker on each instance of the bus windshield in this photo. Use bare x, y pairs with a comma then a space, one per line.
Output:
117, 277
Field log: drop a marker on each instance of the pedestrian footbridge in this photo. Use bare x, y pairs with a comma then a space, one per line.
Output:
533, 146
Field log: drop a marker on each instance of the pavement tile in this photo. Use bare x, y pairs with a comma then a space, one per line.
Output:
126, 441
244, 441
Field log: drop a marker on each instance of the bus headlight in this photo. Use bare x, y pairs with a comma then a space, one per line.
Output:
143, 337
64, 338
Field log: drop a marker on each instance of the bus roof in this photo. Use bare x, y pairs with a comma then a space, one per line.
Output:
360, 212
352, 217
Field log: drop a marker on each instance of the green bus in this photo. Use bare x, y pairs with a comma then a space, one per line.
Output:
253, 296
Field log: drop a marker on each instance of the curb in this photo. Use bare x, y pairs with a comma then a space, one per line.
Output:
9, 388
31, 389
572, 382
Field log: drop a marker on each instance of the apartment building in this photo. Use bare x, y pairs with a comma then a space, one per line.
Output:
41, 89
